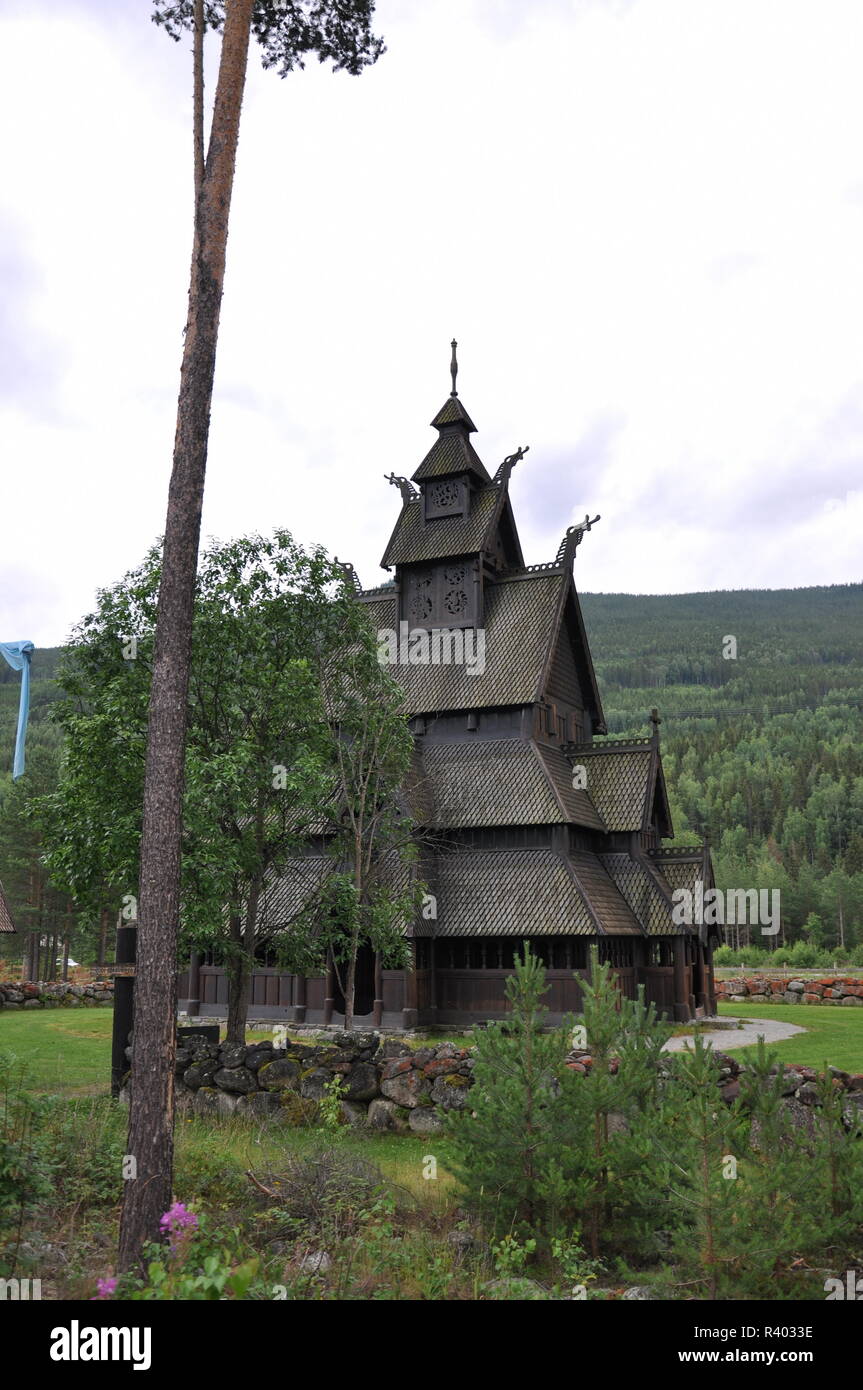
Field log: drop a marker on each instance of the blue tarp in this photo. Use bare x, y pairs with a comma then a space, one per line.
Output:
18, 656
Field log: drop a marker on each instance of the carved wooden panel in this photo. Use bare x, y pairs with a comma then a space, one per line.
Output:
441, 595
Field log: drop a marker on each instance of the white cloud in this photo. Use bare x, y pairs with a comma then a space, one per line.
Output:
643, 213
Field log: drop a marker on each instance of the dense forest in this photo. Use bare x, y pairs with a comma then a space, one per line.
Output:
761, 735
761, 699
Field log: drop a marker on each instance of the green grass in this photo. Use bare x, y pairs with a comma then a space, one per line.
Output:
66, 1051
222, 1147
833, 1036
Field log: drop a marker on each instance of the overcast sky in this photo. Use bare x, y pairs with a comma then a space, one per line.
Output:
642, 221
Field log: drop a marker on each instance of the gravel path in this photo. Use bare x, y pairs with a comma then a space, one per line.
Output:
725, 1039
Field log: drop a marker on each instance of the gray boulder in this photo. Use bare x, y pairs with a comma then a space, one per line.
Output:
426, 1119
260, 1105
313, 1082
200, 1073
279, 1075
236, 1079
385, 1114
362, 1082
209, 1101
451, 1091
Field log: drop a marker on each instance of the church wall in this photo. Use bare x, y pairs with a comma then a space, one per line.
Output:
462, 980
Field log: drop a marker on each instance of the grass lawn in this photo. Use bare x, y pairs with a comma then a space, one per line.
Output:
833, 1036
66, 1051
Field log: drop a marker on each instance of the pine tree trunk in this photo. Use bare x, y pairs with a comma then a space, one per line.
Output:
104, 918
151, 1113
37, 974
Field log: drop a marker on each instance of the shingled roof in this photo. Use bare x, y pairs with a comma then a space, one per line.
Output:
520, 620
452, 412
292, 891
684, 867
613, 915
489, 782
414, 539
451, 453
618, 780
6, 923
526, 893
643, 890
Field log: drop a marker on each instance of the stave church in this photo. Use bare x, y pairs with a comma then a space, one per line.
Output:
535, 825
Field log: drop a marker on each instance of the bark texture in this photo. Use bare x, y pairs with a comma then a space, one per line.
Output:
151, 1117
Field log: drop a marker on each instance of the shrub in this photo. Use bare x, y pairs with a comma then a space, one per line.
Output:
194, 1265
85, 1141
323, 1189
26, 1167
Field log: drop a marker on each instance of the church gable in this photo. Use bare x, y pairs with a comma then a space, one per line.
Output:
572, 710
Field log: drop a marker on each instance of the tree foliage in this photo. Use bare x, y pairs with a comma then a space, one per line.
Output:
335, 31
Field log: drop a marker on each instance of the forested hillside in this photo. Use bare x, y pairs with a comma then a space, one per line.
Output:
762, 750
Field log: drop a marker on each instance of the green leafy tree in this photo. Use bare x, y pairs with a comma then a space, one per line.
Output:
259, 750
371, 890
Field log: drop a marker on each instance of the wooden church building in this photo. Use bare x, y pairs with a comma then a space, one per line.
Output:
535, 826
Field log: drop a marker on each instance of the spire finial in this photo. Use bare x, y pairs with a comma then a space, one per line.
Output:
655, 721
453, 368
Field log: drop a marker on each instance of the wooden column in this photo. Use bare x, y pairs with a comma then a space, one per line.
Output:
432, 981
300, 998
378, 1005
691, 958
711, 982
193, 1003
639, 961
682, 1012
410, 1013
700, 978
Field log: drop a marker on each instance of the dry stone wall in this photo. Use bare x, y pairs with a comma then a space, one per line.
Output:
55, 994
846, 990
388, 1085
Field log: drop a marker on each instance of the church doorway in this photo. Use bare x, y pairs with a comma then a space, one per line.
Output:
364, 986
